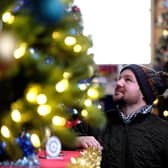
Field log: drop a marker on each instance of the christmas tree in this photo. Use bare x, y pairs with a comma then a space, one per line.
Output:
46, 73
161, 56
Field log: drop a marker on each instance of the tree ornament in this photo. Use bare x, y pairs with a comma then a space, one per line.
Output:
7, 60
76, 9
2, 150
49, 12
89, 158
7, 46
25, 144
53, 147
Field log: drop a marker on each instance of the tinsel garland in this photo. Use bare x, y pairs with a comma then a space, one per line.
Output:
89, 158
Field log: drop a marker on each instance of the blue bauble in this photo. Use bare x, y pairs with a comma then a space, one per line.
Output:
25, 144
2, 147
50, 11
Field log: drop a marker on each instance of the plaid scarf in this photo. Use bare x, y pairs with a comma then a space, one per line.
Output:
144, 110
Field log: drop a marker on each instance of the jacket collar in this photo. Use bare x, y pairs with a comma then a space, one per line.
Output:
143, 110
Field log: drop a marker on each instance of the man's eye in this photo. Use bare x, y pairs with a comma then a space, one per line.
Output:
128, 79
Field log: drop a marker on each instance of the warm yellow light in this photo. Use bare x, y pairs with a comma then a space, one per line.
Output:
55, 35
93, 93
16, 116
83, 86
32, 93
77, 48
66, 75
5, 131
31, 97
59, 121
41, 99
44, 109
62, 85
99, 106
8, 18
156, 101
70, 40
19, 52
35, 140
84, 113
47, 132
87, 102
165, 33
165, 113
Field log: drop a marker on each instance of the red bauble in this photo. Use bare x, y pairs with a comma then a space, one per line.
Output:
75, 9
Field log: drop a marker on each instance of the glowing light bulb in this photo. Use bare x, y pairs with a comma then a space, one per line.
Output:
59, 121
99, 106
44, 109
62, 85
84, 113
66, 75
93, 93
41, 99
56, 35
5, 131
35, 140
156, 101
16, 116
70, 40
31, 97
19, 52
8, 18
165, 113
77, 48
165, 33
82, 86
47, 132
87, 102
32, 93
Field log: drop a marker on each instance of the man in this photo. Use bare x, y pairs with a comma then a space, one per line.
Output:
133, 137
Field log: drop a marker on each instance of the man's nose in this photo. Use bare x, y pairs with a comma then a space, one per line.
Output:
120, 82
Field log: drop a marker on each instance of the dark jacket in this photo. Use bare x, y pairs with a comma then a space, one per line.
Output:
143, 143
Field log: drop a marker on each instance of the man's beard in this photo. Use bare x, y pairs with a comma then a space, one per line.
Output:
120, 102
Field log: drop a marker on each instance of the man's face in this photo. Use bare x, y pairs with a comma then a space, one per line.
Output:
127, 90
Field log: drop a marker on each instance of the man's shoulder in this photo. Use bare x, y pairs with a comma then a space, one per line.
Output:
159, 122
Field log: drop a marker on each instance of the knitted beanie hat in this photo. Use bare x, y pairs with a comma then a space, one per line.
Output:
152, 83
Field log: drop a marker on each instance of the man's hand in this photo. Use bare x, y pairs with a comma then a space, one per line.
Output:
88, 141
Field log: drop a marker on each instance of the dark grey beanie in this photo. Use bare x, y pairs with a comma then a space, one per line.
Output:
152, 83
